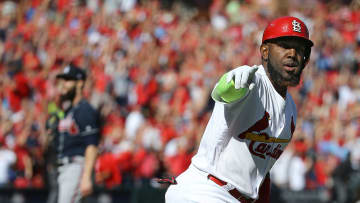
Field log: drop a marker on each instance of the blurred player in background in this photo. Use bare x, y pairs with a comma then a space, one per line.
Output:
252, 122
77, 137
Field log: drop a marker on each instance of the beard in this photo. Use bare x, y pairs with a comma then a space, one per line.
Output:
68, 97
283, 78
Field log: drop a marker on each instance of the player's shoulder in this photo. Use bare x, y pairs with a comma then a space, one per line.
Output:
290, 100
291, 103
85, 107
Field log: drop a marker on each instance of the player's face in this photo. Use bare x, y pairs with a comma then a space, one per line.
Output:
286, 61
67, 89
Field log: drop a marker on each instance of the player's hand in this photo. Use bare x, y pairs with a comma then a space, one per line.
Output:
243, 76
86, 187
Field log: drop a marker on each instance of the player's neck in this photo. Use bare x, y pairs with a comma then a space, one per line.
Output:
282, 90
68, 104
77, 99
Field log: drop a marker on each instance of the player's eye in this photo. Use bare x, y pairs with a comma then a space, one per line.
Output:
284, 45
299, 49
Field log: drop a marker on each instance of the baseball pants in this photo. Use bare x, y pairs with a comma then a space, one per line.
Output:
193, 185
69, 182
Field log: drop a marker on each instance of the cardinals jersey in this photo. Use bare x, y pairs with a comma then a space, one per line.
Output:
243, 139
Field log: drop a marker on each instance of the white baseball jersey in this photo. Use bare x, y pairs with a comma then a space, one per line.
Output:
243, 139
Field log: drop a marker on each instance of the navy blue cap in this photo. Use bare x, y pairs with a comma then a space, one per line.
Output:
72, 72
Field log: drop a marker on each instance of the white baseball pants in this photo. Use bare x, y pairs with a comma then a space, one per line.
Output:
193, 185
69, 182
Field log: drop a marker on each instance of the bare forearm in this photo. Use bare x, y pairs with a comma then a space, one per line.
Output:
90, 157
28, 167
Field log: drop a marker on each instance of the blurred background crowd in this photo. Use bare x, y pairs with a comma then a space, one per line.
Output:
151, 67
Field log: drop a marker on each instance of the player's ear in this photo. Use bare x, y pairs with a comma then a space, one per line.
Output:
80, 84
306, 61
307, 55
264, 50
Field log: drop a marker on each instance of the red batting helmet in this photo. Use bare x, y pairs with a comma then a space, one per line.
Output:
287, 27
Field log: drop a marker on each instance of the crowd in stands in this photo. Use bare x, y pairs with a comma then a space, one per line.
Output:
151, 66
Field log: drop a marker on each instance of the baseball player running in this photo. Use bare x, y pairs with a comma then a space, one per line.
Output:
252, 122
77, 138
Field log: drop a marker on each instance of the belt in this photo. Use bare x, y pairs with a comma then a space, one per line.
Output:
67, 160
231, 189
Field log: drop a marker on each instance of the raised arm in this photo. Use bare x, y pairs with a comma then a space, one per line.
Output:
235, 84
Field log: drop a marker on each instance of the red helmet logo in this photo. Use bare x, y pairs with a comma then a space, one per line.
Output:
287, 27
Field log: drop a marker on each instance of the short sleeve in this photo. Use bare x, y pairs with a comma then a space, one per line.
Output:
88, 121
